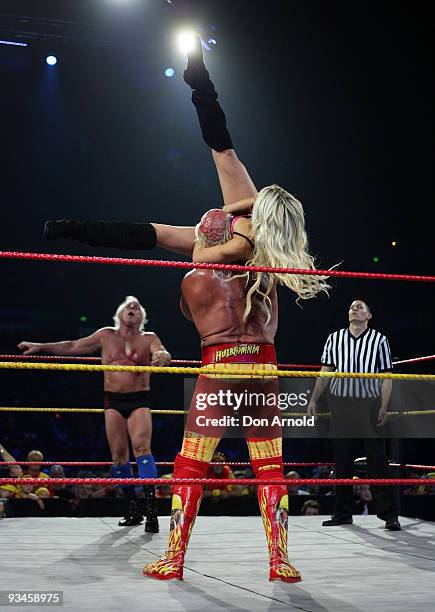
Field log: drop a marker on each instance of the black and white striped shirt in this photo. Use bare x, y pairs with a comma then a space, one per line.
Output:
369, 353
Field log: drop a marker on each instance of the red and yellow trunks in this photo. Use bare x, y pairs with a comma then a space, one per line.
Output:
244, 357
215, 394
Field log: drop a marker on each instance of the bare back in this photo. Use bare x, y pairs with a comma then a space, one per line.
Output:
131, 350
216, 307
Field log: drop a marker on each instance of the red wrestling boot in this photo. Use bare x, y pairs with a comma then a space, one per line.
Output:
185, 505
273, 502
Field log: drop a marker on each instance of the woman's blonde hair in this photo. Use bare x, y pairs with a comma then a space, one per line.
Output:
280, 239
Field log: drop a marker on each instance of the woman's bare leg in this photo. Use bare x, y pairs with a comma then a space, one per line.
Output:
175, 238
235, 182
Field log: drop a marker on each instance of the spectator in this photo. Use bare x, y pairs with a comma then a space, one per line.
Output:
219, 492
42, 492
61, 491
28, 492
164, 491
311, 508
427, 489
81, 492
294, 489
430, 489
8, 491
323, 471
363, 500
57, 471
85, 491
414, 489
244, 490
35, 471
25, 491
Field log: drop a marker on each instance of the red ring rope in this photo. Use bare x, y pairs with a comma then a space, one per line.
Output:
158, 263
428, 468
106, 463
217, 481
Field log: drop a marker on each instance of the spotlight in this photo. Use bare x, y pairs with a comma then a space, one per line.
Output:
51, 60
186, 41
393, 243
375, 259
169, 72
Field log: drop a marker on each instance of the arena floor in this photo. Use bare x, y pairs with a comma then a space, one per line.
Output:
98, 565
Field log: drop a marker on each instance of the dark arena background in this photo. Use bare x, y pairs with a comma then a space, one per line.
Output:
333, 101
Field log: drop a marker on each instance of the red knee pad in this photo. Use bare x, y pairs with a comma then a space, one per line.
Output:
185, 467
270, 468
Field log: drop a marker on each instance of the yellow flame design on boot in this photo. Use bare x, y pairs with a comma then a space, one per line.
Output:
273, 501
170, 566
183, 516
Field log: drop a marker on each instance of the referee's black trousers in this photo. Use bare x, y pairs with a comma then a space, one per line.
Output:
345, 452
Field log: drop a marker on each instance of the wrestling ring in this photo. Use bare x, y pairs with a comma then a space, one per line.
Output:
98, 566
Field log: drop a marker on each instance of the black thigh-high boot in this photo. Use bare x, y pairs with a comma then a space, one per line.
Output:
204, 96
103, 233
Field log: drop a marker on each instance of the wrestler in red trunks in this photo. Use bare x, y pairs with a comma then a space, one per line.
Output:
216, 305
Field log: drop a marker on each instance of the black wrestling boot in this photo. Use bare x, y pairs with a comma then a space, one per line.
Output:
335, 520
114, 234
133, 516
152, 521
211, 117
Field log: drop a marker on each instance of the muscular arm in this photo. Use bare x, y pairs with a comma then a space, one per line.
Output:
175, 238
159, 355
82, 346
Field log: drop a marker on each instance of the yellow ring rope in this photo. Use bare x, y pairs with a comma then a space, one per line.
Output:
91, 410
19, 365
100, 410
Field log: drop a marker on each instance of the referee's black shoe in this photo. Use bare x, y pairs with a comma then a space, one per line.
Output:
392, 524
335, 520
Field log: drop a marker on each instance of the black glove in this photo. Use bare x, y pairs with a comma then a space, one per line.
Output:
210, 114
103, 233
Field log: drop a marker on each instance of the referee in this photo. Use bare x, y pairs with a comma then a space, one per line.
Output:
359, 407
